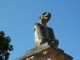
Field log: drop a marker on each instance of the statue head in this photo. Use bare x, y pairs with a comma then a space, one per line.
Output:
45, 16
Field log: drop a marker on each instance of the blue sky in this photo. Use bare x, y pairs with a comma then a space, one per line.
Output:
17, 18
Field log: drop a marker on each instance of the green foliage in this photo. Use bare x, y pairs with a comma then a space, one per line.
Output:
5, 46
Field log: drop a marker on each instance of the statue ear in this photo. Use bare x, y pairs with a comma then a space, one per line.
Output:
44, 13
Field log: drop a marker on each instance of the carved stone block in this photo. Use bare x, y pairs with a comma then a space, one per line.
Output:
45, 52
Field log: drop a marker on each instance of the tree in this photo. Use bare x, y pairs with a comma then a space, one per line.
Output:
5, 46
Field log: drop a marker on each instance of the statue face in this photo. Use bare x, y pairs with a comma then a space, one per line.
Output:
45, 16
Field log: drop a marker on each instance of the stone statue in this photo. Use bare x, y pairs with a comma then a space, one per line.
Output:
43, 33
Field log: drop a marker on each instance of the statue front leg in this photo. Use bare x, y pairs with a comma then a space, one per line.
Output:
54, 42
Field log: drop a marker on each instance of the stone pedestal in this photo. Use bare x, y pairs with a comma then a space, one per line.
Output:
45, 52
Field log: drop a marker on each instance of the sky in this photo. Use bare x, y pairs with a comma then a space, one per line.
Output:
17, 18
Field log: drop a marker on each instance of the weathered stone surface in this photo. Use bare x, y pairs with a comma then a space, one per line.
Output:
50, 51
46, 45
42, 32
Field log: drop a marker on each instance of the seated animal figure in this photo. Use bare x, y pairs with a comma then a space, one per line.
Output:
43, 33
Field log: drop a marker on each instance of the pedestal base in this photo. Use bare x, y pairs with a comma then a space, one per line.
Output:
45, 52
